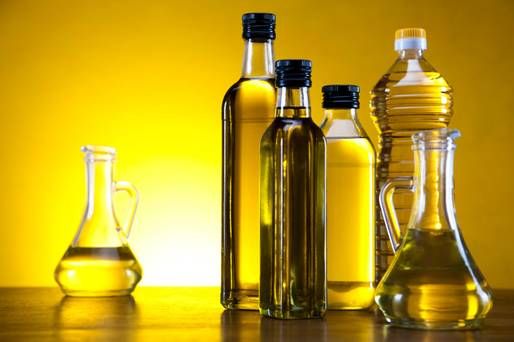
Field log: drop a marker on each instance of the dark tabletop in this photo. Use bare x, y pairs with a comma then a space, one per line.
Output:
193, 314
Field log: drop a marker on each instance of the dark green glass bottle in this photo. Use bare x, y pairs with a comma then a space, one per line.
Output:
293, 281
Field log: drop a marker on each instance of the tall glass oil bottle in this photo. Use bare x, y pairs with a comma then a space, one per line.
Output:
410, 97
433, 282
350, 201
248, 109
99, 261
293, 203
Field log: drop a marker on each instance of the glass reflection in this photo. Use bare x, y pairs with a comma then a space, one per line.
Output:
111, 318
293, 330
239, 325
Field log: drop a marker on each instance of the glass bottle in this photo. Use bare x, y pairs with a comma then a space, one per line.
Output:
350, 201
412, 96
99, 261
293, 248
248, 109
433, 282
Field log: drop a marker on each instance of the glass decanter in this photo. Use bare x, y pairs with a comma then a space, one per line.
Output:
99, 261
433, 282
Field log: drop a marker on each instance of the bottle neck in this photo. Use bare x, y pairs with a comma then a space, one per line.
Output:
341, 113
411, 53
258, 59
433, 199
293, 103
99, 175
341, 122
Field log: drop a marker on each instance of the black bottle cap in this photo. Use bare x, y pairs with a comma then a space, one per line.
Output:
293, 73
259, 26
340, 96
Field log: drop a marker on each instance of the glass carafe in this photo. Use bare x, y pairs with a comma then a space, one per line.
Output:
433, 282
99, 261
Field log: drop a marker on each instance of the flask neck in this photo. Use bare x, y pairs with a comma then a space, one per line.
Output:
293, 102
258, 59
433, 199
99, 175
411, 53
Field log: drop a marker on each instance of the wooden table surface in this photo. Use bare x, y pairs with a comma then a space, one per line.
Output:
193, 314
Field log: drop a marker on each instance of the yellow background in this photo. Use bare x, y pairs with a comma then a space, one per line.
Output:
148, 77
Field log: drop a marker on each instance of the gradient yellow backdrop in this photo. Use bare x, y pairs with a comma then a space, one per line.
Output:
148, 77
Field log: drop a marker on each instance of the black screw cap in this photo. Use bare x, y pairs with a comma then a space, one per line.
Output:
340, 96
293, 73
259, 26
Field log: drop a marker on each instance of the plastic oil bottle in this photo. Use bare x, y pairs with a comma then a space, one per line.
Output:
350, 201
412, 96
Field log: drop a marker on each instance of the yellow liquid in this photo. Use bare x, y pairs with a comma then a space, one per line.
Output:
433, 283
293, 212
248, 111
351, 221
104, 271
412, 96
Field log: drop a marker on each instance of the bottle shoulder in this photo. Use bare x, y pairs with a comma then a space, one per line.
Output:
337, 128
250, 99
294, 127
264, 84
411, 72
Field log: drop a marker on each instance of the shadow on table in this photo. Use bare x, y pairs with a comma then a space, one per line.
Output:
112, 318
238, 325
392, 334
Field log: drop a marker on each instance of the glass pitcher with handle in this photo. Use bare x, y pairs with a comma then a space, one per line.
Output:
433, 282
99, 261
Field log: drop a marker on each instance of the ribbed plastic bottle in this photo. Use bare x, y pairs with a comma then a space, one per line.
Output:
412, 96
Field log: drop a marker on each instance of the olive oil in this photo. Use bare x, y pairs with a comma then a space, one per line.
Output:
350, 225
439, 288
293, 212
350, 201
98, 271
412, 96
248, 109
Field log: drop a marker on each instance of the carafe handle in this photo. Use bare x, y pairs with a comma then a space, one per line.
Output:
134, 194
385, 200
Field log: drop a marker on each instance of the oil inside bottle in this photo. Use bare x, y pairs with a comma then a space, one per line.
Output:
98, 271
350, 215
253, 103
430, 285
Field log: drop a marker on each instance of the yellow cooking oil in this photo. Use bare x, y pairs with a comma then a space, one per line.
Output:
411, 96
98, 271
350, 215
431, 285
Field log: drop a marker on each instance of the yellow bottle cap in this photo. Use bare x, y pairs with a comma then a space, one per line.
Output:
410, 38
